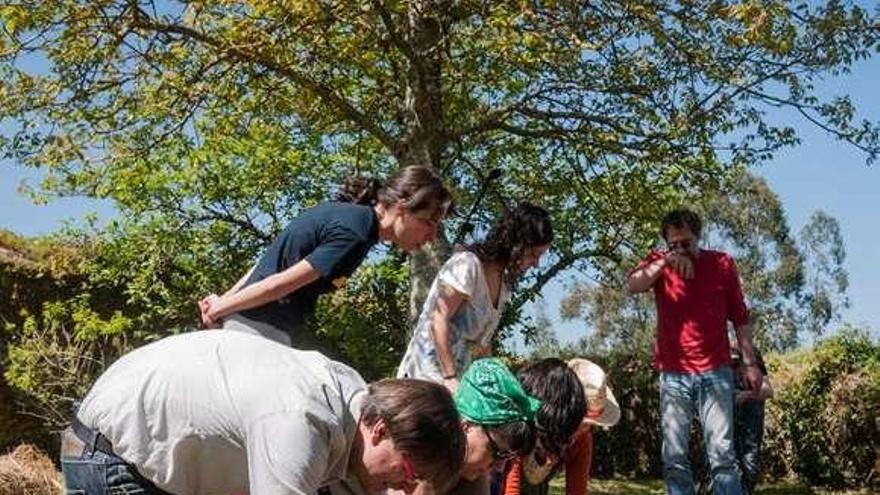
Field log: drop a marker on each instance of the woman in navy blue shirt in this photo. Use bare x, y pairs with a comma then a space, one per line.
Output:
320, 248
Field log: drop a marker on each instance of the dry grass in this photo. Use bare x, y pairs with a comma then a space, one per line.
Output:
28, 471
655, 487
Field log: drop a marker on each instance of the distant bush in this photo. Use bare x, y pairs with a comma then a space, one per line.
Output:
823, 426
366, 323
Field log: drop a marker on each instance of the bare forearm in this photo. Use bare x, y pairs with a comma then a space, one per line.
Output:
644, 278
266, 290
441, 332
238, 285
744, 337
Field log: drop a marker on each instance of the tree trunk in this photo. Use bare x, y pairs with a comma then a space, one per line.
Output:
424, 141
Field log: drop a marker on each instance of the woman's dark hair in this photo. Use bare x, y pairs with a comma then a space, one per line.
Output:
680, 218
519, 435
420, 188
517, 230
421, 418
564, 405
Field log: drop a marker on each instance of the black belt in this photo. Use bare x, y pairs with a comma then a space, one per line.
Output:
94, 440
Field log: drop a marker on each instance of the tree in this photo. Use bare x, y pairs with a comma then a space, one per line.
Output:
827, 280
792, 289
210, 123
747, 220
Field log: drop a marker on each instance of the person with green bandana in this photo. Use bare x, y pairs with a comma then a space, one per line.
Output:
497, 416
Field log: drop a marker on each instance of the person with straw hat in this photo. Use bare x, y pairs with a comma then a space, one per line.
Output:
599, 408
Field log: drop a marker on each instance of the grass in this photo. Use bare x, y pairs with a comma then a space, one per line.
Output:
655, 487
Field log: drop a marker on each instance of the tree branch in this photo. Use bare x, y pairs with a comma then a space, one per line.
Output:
337, 101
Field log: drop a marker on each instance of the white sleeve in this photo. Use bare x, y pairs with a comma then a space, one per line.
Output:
460, 272
288, 454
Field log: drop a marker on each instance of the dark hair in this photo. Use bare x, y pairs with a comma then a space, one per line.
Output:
523, 227
421, 188
519, 435
423, 422
564, 404
680, 218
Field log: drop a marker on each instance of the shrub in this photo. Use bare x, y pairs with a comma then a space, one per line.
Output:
822, 426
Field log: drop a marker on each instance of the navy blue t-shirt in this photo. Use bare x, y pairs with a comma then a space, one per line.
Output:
335, 238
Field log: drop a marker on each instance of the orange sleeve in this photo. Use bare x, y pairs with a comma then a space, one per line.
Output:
578, 462
513, 477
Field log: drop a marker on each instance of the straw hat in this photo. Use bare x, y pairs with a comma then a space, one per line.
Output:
597, 392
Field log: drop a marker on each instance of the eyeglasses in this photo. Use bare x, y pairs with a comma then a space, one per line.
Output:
497, 453
683, 245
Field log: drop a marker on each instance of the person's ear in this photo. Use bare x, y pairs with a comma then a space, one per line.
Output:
378, 432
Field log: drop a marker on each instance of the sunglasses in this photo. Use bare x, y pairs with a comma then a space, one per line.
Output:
684, 245
497, 453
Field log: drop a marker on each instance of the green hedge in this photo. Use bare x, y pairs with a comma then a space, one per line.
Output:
822, 427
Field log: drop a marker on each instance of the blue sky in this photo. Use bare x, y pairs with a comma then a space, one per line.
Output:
819, 174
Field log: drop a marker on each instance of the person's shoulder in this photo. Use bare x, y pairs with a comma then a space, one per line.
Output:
463, 257
353, 217
720, 257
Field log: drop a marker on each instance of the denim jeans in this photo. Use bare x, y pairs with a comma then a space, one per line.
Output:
100, 473
748, 437
710, 395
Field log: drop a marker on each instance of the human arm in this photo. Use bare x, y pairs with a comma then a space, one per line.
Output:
448, 302
206, 302
738, 314
765, 393
578, 462
752, 372
644, 276
238, 285
264, 291
287, 454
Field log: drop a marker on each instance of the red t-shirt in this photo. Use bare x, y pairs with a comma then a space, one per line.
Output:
692, 315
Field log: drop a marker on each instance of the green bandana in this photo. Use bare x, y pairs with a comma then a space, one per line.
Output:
489, 394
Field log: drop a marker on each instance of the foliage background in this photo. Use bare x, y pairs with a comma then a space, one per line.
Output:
209, 124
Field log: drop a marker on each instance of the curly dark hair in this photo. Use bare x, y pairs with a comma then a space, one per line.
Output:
523, 227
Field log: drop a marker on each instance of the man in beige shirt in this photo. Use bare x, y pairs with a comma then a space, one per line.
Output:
221, 412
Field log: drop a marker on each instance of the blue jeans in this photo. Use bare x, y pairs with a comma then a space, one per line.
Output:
748, 438
100, 473
711, 395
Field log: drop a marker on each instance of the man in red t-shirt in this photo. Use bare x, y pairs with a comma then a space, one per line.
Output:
697, 291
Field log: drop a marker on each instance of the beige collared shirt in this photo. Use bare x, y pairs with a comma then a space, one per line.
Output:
219, 412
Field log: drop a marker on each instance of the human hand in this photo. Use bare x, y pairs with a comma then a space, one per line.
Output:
208, 317
754, 378
451, 384
681, 264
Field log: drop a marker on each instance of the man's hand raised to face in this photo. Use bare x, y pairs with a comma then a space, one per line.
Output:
681, 264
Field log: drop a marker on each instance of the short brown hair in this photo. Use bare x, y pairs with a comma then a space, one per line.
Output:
423, 422
681, 218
